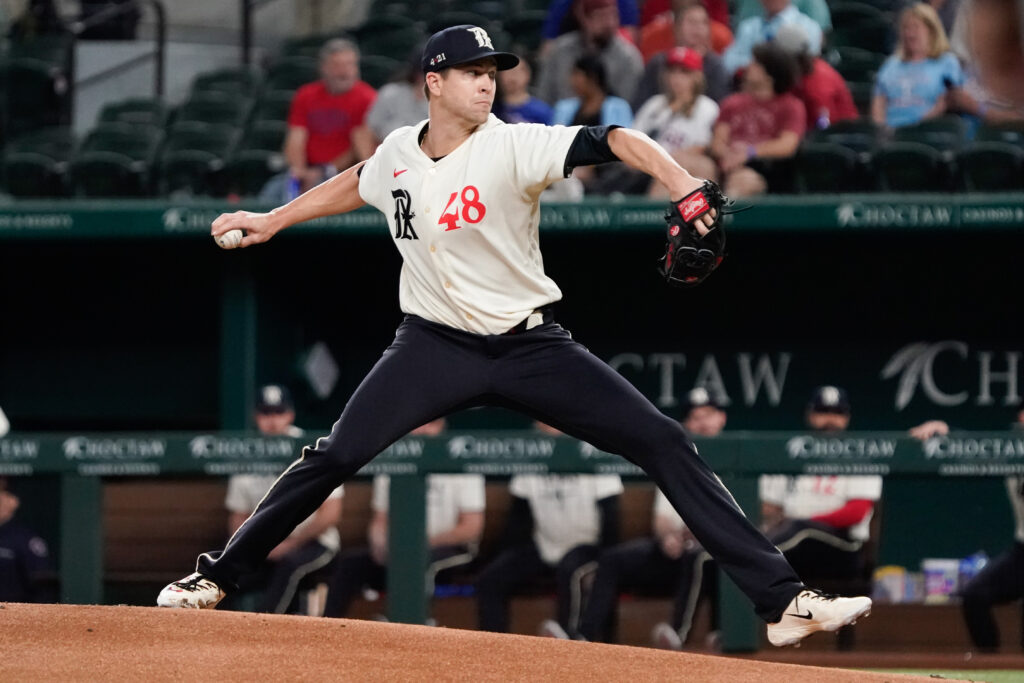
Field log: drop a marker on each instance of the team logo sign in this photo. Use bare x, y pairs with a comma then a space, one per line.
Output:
403, 215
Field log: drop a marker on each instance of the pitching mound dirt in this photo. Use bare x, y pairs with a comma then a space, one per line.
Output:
93, 643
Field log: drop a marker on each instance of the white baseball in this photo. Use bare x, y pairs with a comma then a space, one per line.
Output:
229, 240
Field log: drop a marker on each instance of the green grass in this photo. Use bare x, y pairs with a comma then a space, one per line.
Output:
990, 675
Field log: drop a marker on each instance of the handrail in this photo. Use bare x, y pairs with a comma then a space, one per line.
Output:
247, 7
159, 51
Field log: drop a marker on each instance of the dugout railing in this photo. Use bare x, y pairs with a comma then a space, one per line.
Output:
81, 461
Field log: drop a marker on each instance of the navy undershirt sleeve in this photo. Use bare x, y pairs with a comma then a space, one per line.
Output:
590, 147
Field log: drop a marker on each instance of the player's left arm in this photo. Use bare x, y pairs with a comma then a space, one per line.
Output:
637, 150
340, 194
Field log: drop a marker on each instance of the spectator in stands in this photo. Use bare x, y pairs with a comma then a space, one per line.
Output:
564, 16
693, 30
514, 103
455, 522
32, 19
681, 119
323, 115
598, 36
759, 126
310, 547
823, 91
26, 574
400, 103
668, 562
663, 32
557, 526
912, 84
1002, 579
760, 29
815, 9
593, 106
821, 522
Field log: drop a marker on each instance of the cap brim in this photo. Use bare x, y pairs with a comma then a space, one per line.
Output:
503, 60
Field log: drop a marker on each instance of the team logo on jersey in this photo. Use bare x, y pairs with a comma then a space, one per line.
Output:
403, 216
482, 39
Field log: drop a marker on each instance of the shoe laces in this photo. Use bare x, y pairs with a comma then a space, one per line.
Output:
821, 595
193, 583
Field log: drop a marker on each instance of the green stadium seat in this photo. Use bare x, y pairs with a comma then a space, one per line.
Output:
273, 105
873, 31
824, 167
525, 28
264, 135
909, 167
861, 135
193, 157
241, 81
248, 170
290, 73
1012, 133
57, 143
136, 141
108, 174
390, 35
944, 133
991, 167
215, 107
29, 174
858, 64
862, 92
34, 95
144, 110
378, 70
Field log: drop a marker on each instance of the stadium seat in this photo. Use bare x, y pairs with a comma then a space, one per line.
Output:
827, 167
861, 92
1011, 133
34, 95
390, 35
944, 133
525, 28
242, 81
248, 170
857, 24
991, 167
273, 105
860, 135
264, 135
115, 160
214, 107
136, 141
909, 167
135, 110
57, 143
858, 64
378, 70
29, 174
193, 158
290, 73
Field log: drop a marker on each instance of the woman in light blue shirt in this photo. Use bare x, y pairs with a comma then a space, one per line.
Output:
912, 85
592, 106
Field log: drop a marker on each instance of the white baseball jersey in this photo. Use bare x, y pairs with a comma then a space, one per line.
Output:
245, 491
448, 495
467, 225
565, 512
806, 496
676, 131
1015, 489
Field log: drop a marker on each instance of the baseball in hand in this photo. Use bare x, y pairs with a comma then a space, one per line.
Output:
229, 240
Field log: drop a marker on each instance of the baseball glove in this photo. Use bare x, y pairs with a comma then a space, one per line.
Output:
689, 257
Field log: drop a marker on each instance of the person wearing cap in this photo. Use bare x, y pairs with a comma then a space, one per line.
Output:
460, 193
692, 29
669, 562
514, 103
598, 35
662, 32
759, 128
761, 29
821, 522
681, 119
825, 95
310, 547
26, 568
398, 103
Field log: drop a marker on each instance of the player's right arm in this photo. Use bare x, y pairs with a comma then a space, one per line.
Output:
338, 195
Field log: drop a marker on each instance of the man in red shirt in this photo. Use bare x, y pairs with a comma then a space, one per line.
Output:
760, 125
824, 92
323, 115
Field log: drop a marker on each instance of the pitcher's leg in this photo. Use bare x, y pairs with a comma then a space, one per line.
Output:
424, 374
565, 385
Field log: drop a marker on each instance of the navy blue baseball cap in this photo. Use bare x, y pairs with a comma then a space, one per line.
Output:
698, 397
829, 399
273, 398
462, 44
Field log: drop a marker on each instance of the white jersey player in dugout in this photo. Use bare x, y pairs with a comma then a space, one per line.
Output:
460, 191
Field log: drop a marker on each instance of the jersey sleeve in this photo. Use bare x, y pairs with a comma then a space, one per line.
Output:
370, 183
863, 488
379, 497
539, 152
607, 485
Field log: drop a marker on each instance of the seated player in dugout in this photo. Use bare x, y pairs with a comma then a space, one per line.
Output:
455, 523
460, 193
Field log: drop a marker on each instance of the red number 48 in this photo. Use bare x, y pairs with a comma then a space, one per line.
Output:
473, 210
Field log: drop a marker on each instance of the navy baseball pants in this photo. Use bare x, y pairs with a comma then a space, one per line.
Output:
431, 370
